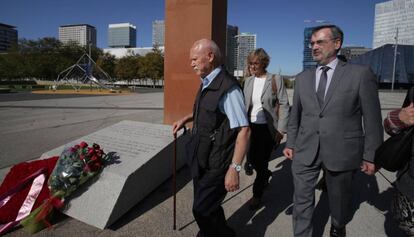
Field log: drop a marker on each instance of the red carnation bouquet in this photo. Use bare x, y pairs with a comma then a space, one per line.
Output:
76, 165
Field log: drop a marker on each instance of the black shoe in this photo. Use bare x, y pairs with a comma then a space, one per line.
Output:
248, 168
337, 232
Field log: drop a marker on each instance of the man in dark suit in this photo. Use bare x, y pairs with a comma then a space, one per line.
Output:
335, 125
219, 140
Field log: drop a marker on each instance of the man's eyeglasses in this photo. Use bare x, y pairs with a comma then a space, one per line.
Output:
320, 42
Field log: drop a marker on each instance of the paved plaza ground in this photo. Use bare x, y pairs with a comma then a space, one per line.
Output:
33, 124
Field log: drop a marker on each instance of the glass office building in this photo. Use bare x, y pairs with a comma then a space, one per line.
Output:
350, 52
381, 61
391, 15
308, 61
123, 35
8, 37
231, 47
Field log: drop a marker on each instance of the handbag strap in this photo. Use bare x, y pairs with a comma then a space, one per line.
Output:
398, 177
410, 131
274, 86
274, 90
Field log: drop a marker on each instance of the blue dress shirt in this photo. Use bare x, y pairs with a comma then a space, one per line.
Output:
231, 103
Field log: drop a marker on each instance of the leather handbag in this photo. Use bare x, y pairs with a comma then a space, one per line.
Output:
402, 210
396, 151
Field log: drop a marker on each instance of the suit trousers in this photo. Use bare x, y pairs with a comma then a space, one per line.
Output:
261, 145
339, 188
209, 192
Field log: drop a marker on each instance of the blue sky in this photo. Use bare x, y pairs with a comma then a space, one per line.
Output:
278, 24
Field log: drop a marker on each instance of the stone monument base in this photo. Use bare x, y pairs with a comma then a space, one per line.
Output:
145, 161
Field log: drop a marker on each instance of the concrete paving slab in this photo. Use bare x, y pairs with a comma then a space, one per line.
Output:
28, 128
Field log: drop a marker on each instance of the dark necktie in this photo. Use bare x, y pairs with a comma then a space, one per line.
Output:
322, 85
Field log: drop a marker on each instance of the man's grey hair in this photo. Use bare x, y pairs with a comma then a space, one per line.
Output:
337, 33
210, 45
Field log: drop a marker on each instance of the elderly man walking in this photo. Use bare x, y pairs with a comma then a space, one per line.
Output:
219, 140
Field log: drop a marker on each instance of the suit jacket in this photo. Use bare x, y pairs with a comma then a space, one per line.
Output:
275, 121
346, 129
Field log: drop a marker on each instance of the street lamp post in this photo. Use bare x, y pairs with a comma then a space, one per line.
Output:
89, 72
395, 60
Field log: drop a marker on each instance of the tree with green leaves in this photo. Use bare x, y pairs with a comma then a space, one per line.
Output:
107, 62
127, 68
153, 66
43, 58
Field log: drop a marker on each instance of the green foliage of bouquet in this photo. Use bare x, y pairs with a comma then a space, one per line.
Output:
75, 166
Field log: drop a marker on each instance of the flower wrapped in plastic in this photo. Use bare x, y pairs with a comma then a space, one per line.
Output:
75, 166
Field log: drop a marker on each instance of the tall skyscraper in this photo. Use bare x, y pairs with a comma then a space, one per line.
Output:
231, 47
308, 61
81, 34
391, 15
123, 35
246, 43
158, 29
8, 36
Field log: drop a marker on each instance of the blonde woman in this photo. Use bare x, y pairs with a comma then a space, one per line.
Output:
268, 112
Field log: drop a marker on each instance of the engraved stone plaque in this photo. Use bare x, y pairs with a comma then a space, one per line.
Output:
145, 153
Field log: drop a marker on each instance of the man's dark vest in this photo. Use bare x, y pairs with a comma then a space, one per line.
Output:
211, 127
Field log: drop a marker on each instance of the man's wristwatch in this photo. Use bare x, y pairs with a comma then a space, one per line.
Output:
235, 166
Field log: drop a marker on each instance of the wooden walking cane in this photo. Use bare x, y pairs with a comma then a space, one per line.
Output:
174, 180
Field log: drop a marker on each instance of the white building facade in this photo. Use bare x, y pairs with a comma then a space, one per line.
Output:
391, 15
123, 52
158, 31
246, 43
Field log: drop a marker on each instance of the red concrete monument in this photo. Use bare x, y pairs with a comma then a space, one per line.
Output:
187, 21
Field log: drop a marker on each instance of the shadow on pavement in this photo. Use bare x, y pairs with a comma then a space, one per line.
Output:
365, 189
159, 195
276, 198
